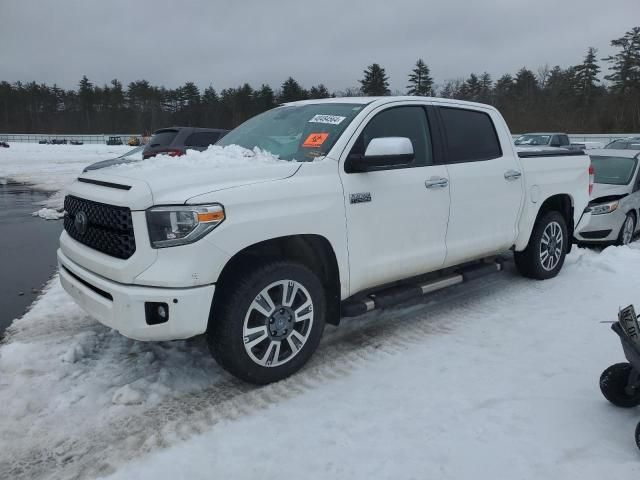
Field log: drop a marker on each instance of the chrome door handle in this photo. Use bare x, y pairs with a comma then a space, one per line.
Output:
512, 175
436, 182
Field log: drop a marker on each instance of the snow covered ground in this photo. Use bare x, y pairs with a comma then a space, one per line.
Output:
497, 378
51, 167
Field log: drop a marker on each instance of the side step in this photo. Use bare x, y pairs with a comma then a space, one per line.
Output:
395, 295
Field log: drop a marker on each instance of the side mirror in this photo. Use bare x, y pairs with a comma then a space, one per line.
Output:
383, 152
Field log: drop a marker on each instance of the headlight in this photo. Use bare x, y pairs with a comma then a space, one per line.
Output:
179, 225
603, 208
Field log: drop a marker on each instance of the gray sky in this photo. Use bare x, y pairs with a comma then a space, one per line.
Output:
225, 43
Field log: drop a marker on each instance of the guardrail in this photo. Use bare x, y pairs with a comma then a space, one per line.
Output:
84, 138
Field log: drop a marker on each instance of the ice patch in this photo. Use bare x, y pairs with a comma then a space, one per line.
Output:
127, 396
48, 214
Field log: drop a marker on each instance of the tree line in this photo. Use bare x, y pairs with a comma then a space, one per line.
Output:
573, 99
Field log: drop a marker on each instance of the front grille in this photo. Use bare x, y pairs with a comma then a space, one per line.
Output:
108, 229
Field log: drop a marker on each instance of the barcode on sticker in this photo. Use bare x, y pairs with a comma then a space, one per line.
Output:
330, 119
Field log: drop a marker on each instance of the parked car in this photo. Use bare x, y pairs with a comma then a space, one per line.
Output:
131, 156
591, 145
43, 142
175, 141
114, 141
76, 142
58, 141
374, 201
615, 207
631, 143
555, 140
4, 144
134, 141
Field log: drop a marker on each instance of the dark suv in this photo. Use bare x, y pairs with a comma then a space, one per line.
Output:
176, 141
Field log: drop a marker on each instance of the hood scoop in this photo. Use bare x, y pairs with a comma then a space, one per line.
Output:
101, 183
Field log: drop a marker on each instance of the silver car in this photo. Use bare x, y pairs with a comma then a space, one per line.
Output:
615, 204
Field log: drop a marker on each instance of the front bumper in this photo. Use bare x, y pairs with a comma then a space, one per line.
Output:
603, 228
122, 307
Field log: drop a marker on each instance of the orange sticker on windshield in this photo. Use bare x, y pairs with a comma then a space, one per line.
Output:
315, 140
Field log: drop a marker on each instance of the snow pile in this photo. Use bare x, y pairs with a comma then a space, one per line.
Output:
51, 167
232, 156
48, 214
498, 376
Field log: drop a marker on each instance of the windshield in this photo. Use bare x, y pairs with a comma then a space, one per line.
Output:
613, 170
299, 133
624, 145
532, 140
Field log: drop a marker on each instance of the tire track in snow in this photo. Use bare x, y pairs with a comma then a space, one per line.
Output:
357, 341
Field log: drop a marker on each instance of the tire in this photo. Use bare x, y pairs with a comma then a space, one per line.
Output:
613, 383
260, 348
625, 237
638, 435
532, 262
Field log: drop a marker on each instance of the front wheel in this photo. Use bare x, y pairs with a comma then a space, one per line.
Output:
627, 230
267, 323
544, 256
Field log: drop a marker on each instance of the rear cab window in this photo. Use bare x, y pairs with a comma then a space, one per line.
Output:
163, 138
470, 135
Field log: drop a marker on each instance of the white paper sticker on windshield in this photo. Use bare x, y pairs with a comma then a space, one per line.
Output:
330, 119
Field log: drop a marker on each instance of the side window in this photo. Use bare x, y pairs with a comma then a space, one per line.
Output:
409, 122
470, 135
564, 140
201, 139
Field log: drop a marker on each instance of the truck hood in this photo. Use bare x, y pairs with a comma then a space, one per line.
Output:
142, 188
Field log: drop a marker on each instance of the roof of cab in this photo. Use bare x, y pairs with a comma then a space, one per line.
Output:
386, 99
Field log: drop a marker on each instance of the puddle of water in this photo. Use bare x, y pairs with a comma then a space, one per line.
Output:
27, 250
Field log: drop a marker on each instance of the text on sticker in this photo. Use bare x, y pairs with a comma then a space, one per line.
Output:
315, 140
330, 119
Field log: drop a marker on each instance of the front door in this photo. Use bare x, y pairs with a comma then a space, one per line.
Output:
396, 218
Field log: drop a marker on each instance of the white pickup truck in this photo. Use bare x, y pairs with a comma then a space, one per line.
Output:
360, 203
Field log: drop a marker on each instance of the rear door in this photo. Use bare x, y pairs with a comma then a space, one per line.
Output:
486, 183
396, 225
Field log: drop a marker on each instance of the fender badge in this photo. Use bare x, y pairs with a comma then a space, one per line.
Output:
360, 197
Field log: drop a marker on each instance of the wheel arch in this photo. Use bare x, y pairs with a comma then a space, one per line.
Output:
562, 203
313, 251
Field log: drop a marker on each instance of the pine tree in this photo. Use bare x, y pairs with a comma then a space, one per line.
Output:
420, 82
586, 76
319, 92
291, 91
85, 96
375, 81
470, 89
626, 63
264, 98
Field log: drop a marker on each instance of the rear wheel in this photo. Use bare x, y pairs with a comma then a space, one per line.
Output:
544, 256
268, 322
614, 385
627, 230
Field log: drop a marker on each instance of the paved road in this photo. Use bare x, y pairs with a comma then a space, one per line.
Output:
27, 250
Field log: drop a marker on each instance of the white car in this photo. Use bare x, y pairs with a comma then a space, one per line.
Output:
372, 201
615, 207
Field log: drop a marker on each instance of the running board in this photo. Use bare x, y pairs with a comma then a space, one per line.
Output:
395, 295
